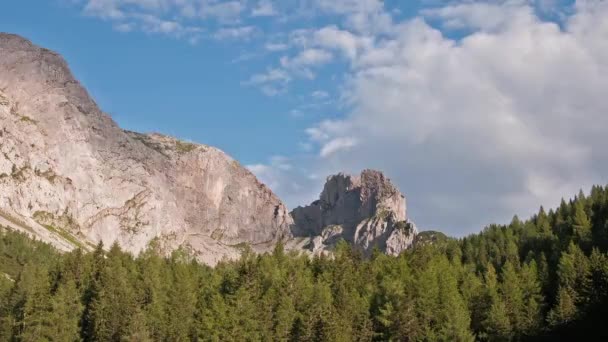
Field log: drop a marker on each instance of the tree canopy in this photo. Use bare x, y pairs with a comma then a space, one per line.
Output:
535, 279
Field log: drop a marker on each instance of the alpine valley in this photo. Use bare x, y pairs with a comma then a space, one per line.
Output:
113, 235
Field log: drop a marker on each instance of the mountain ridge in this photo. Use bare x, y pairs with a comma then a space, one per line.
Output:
71, 176
68, 161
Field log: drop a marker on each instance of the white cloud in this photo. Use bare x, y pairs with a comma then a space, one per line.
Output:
168, 17
228, 11
327, 128
104, 9
279, 175
273, 47
271, 75
336, 145
264, 8
509, 116
155, 25
124, 27
258, 169
505, 119
242, 32
281, 163
483, 16
308, 57
319, 94
300, 66
271, 83
362, 16
344, 41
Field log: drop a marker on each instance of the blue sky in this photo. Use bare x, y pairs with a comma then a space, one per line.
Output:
477, 110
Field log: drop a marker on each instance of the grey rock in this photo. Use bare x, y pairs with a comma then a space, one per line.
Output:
367, 211
70, 176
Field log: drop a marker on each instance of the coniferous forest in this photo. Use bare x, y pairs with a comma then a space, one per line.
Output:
543, 278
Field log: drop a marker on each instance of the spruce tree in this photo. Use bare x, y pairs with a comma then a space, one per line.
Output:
581, 225
37, 321
66, 312
565, 309
512, 296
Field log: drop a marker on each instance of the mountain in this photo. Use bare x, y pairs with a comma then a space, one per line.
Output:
70, 176
367, 210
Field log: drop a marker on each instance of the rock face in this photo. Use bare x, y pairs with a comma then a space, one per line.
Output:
366, 210
69, 175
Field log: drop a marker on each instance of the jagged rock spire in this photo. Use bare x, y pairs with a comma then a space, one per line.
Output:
366, 210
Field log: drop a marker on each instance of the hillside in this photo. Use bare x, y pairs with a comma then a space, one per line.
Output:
70, 176
545, 278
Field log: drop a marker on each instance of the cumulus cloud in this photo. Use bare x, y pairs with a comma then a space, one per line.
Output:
232, 33
227, 11
361, 16
474, 130
294, 183
264, 8
477, 110
273, 47
308, 57
485, 16
333, 38
336, 145
272, 82
176, 18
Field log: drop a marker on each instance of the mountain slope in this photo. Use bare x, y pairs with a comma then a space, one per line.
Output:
71, 176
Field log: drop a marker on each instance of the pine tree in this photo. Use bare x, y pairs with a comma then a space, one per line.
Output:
93, 292
543, 272
598, 264
512, 296
542, 223
454, 318
66, 312
565, 309
574, 273
6, 320
153, 293
581, 225
283, 318
531, 319
181, 298
37, 320
112, 302
320, 325
496, 324
138, 330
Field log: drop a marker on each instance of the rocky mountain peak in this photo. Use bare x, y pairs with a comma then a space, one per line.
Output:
70, 176
34, 70
366, 210
362, 196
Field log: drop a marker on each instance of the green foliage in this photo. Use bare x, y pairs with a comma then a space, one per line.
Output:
27, 119
541, 277
430, 237
184, 147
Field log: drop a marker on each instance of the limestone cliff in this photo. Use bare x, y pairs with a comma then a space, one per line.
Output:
69, 175
366, 210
